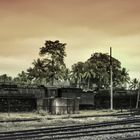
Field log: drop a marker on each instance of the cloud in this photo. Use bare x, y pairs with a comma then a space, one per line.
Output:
86, 26
34, 17
12, 66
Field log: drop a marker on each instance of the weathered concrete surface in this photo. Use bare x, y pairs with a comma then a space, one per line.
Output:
61, 105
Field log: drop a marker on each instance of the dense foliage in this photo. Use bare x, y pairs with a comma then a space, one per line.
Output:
94, 73
51, 67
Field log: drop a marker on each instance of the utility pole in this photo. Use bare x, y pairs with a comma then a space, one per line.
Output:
111, 81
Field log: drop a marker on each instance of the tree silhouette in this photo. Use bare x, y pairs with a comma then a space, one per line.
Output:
77, 73
53, 54
22, 78
134, 84
89, 73
37, 73
96, 70
5, 78
124, 77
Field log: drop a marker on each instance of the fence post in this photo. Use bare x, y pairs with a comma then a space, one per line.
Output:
8, 101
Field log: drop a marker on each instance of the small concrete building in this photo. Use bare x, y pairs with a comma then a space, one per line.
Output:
60, 106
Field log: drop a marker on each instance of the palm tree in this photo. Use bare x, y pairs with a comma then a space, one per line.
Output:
89, 73
65, 74
22, 78
134, 84
125, 77
37, 73
77, 73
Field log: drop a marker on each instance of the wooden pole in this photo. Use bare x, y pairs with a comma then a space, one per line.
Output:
111, 81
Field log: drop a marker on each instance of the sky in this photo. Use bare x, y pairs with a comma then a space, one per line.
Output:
87, 26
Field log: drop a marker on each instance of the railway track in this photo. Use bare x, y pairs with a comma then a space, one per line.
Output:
75, 134
105, 115
131, 138
101, 115
74, 131
19, 120
74, 117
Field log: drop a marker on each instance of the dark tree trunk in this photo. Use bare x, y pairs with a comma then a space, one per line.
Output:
88, 83
52, 79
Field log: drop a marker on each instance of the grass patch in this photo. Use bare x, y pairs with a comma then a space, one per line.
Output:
46, 120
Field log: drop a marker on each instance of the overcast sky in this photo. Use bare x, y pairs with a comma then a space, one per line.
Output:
87, 26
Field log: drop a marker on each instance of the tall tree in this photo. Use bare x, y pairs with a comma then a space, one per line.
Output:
89, 73
96, 71
102, 62
37, 73
53, 54
77, 73
5, 78
124, 77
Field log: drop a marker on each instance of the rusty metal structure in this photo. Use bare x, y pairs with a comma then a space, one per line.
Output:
54, 100
60, 100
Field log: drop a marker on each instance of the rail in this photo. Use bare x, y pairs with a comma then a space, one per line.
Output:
72, 131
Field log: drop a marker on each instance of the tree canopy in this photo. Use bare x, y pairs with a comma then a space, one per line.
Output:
51, 65
96, 71
49, 68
